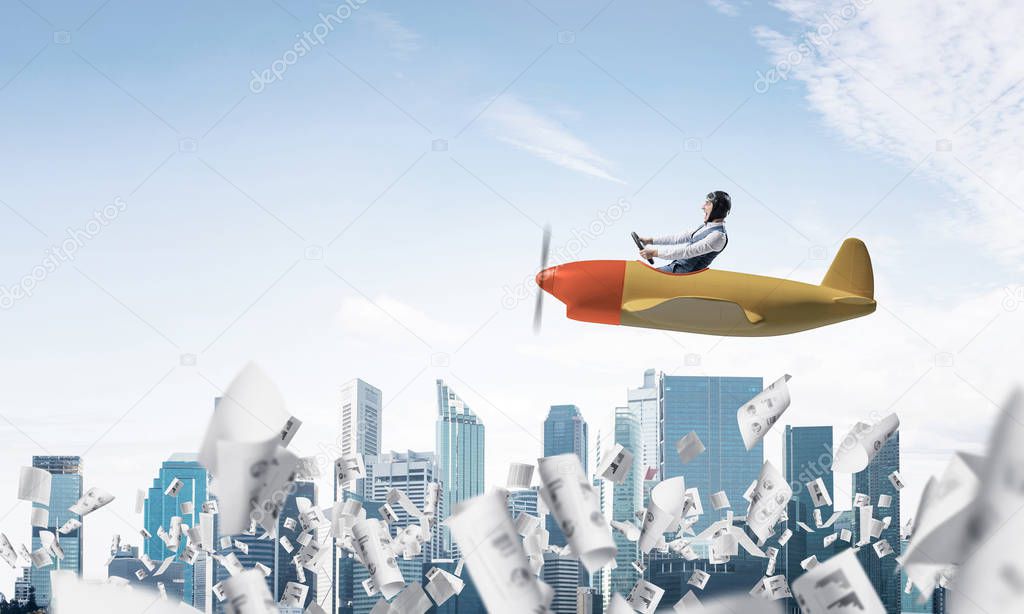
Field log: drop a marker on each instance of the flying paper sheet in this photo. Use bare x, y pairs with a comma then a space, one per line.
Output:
615, 464
862, 443
896, 480
7, 551
494, 553
244, 443
819, 493
442, 586
412, 600
519, 476
645, 597
719, 500
689, 447
991, 577
663, 513
942, 520
575, 505
40, 517
768, 502
619, 605
34, 485
92, 500
689, 603
174, 488
758, 414
699, 578
371, 540
247, 593
837, 586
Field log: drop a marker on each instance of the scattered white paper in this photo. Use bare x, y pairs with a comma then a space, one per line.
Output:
34, 485
689, 447
859, 447
519, 476
615, 464
760, 413
575, 505
839, 585
92, 500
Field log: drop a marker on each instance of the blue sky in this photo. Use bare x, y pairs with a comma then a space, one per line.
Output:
312, 226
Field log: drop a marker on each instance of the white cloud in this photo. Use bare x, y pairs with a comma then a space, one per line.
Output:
526, 128
724, 7
402, 41
895, 78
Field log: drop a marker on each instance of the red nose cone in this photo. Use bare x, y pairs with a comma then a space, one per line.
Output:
591, 290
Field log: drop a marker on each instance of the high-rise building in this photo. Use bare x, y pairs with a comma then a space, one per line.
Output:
361, 422
565, 432
65, 490
643, 401
563, 576
626, 499
23, 586
160, 509
807, 456
125, 563
361, 433
874, 481
707, 406
459, 443
525, 501
411, 473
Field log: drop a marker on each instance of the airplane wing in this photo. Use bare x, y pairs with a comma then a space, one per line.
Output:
697, 310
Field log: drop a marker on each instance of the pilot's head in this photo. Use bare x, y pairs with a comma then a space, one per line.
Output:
716, 206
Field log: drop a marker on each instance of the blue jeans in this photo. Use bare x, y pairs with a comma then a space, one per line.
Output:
676, 267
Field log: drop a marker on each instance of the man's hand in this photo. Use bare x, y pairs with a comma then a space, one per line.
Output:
646, 240
649, 252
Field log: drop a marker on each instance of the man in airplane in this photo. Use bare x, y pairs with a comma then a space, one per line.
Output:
693, 251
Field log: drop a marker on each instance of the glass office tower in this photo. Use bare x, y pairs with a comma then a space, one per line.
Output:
65, 490
807, 456
160, 508
874, 481
459, 444
565, 432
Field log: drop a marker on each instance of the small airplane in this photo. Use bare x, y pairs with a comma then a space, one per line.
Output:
710, 301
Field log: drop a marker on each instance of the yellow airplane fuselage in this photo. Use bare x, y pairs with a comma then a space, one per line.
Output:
713, 302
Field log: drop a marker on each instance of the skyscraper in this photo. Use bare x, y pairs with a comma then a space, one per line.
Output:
23, 586
565, 432
643, 401
411, 473
707, 406
160, 508
807, 453
627, 498
361, 433
65, 490
360, 421
459, 444
874, 481
562, 574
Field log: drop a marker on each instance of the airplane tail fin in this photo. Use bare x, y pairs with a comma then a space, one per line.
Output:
851, 270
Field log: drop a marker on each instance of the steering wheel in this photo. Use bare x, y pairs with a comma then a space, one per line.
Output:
640, 245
